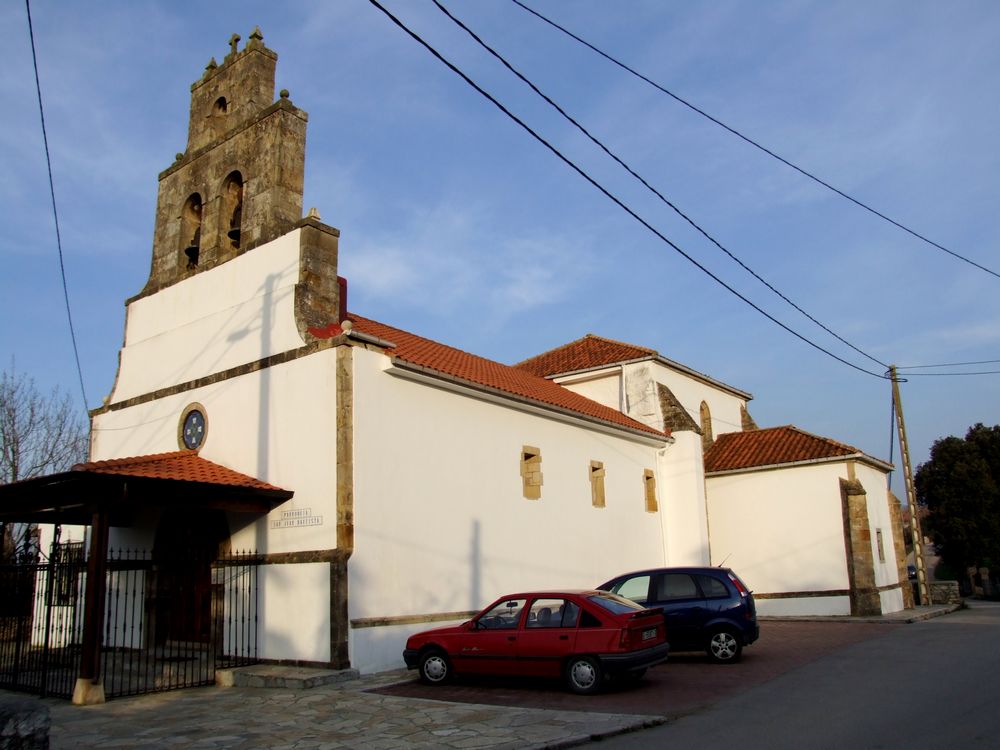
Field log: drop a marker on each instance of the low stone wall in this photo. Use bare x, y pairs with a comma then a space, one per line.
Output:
945, 592
24, 724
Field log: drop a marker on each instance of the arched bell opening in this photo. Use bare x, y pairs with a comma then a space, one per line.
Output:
232, 209
191, 231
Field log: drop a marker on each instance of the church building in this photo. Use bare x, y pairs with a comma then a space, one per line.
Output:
385, 482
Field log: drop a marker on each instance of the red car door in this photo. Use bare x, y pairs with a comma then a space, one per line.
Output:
547, 637
489, 646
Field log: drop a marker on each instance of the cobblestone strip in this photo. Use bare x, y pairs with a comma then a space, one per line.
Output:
320, 719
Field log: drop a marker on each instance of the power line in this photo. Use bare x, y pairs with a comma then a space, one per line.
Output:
55, 213
949, 374
607, 193
949, 364
637, 176
754, 143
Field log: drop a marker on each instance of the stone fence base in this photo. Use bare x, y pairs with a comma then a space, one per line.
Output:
944, 592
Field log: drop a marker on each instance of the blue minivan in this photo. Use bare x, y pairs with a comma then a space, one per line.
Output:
706, 609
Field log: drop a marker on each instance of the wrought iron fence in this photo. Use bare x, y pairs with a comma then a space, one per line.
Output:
169, 621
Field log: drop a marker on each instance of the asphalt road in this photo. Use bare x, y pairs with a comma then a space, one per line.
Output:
686, 684
933, 684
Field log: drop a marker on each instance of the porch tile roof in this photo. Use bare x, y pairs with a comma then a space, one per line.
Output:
583, 354
732, 451
473, 369
183, 466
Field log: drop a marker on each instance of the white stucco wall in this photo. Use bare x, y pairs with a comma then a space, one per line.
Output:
783, 531
604, 388
682, 501
235, 313
641, 400
294, 612
277, 425
441, 524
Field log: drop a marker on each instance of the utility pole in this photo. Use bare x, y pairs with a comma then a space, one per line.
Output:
911, 493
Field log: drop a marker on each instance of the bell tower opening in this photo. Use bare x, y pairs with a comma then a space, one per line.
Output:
232, 207
191, 230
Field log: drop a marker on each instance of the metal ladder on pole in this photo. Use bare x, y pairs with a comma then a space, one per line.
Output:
911, 492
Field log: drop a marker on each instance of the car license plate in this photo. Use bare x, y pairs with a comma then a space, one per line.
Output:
648, 635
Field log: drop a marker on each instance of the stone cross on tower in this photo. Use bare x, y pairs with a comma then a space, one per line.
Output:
233, 41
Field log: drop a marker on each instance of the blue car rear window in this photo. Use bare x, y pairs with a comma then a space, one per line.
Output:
616, 604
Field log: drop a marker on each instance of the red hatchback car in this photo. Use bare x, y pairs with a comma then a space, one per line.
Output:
583, 636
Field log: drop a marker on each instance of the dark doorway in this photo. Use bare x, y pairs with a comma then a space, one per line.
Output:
186, 602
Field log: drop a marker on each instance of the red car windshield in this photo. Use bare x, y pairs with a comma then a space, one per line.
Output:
616, 604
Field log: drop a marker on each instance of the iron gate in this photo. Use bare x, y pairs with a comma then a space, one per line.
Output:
170, 621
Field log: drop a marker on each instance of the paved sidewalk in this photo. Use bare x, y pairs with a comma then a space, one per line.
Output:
322, 718
917, 614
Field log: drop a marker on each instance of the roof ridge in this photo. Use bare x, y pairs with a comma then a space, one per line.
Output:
132, 460
554, 349
622, 343
583, 338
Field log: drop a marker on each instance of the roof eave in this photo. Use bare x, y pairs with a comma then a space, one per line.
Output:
862, 457
430, 376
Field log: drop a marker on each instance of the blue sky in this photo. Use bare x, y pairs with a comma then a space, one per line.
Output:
458, 226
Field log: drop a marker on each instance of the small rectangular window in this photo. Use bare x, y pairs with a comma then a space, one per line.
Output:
531, 472
597, 484
649, 480
878, 541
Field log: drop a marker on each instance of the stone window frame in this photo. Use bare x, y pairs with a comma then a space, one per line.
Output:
531, 472
880, 545
649, 487
597, 494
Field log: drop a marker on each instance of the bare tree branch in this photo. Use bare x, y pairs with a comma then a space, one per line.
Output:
39, 434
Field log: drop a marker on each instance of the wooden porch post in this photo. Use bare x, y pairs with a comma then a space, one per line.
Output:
89, 687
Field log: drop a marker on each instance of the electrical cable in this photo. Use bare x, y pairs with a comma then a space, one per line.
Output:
608, 194
55, 213
648, 186
949, 364
949, 374
754, 143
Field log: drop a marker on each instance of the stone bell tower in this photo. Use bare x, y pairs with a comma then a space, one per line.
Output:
239, 183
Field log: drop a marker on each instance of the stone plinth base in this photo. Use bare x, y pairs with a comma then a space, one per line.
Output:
86, 693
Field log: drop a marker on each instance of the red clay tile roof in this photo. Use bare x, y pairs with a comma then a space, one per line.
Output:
182, 466
484, 372
583, 354
733, 451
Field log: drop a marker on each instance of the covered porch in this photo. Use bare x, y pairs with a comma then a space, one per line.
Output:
171, 602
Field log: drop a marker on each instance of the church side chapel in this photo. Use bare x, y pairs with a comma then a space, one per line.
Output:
381, 481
